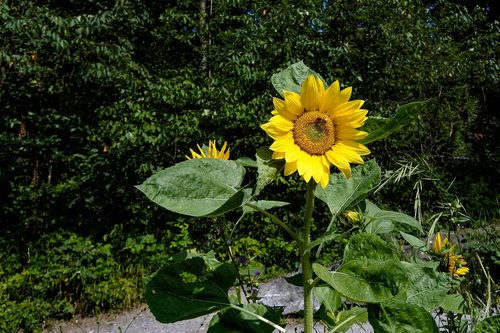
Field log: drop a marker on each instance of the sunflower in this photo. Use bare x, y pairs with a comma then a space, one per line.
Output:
316, 129
454, 264
210, 151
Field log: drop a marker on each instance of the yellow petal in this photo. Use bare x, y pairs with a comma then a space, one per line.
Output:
290, 167
293, 104
345, 95
292, 154
340, 162
277, 155
346, 133
330, 98
436, 245
304, 166
310, 93
349, 154
354, 146
282, 144
317, 168
272, 131
281, 123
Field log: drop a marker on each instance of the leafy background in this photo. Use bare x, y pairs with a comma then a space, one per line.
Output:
97, 95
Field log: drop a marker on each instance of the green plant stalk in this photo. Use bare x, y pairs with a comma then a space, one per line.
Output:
306, 259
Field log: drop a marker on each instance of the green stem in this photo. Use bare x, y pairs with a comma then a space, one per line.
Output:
306, 259
276, 220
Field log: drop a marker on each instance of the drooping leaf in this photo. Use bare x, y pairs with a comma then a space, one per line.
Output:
366, 280
380, 128
189, 286
234, 321
400, 317
291, 78
198, 187
267, 168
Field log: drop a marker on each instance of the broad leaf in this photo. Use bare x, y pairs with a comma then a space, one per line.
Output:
189, 286
291, 78
366, 280
404, 115
342, 193
232, 320
400, 317
396, 217
267, 168
198, 187
427, 288
368, 246
328, 297
379, 226
347, 318
413, 241
263, 204
454, 303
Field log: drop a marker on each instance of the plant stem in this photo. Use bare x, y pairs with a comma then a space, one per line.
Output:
306, 259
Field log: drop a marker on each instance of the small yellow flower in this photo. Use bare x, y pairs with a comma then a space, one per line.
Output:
353, 216
211, 152
316, 129
455, 264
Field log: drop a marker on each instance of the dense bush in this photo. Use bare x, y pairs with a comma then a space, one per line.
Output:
96, 96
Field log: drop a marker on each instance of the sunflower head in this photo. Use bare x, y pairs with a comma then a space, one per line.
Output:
210, 151
453, 264
317, 128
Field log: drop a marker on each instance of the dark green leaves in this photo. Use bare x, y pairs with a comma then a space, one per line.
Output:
189, 286
198, 187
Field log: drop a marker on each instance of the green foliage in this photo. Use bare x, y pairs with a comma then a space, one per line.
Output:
233, 320
98, 95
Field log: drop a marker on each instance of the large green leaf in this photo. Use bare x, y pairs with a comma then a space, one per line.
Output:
489, 325
267, 168
400, 317
396, 217
291, 78
189, 286
427, 288
368, 246
198, 187
366, 280
454, 303
379, 128
232, 320
413, 241
328, 297
342, 193
263, 204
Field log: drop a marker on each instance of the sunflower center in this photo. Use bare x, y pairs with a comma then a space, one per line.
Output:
314, 133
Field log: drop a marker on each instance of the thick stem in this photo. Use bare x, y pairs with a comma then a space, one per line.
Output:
306, 259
